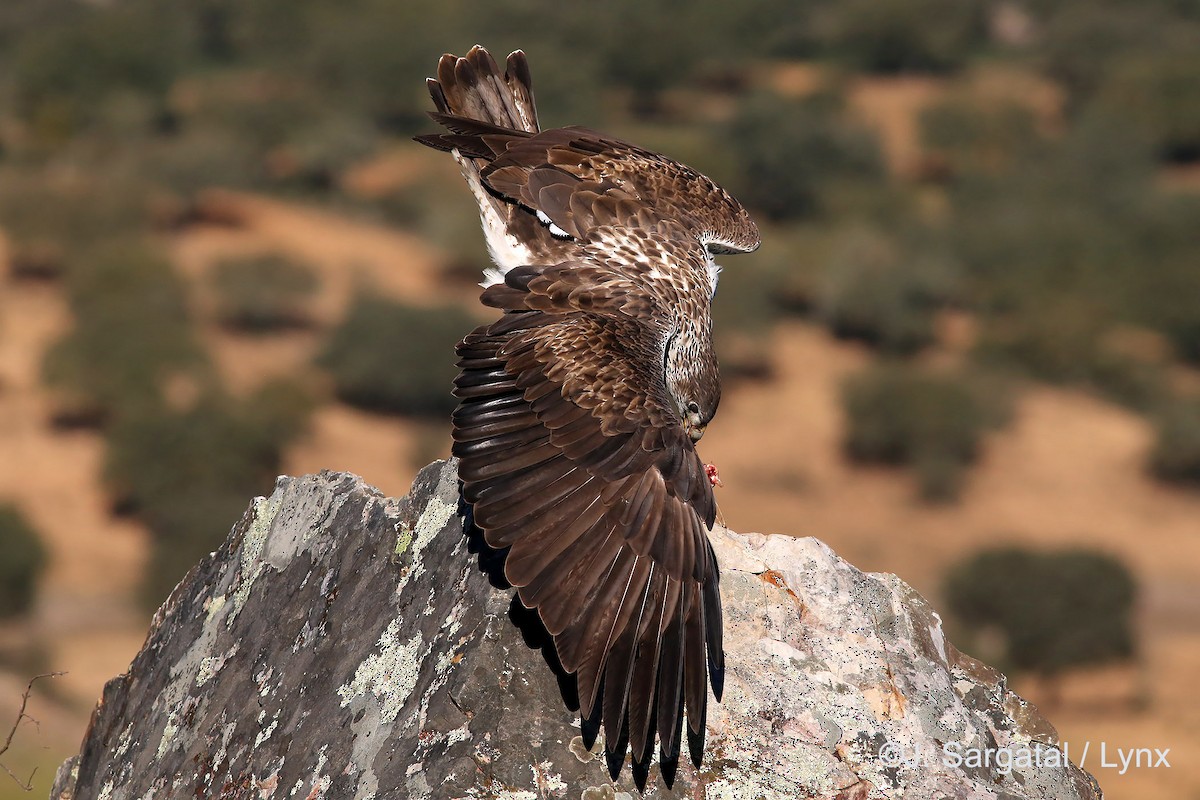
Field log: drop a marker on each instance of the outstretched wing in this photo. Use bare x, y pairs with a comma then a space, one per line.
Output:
573, 456
560, 174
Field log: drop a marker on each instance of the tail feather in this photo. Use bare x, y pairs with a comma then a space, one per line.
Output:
521, 85
474, 88
483, 109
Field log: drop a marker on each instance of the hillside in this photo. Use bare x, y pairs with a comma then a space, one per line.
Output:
974, 321
1069, 470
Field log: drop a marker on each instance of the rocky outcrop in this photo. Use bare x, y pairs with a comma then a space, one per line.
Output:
343, 644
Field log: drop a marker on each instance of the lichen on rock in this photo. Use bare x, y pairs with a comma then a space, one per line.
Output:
342, 644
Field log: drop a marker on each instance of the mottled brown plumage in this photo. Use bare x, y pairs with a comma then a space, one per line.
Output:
581, 405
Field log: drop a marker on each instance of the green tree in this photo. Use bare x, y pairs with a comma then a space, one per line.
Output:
1159, 92
131, 335
394, 358
262, 294
1054, 610
978, 137
884, 290
904, 415
190, 473
23, 562
1082, 42
64, 72
790, 154
904, 35
648, 56
1176, 453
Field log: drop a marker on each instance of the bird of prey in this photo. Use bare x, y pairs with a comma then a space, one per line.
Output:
581, 406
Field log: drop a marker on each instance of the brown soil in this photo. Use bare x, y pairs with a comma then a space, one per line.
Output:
392, 170
794, 79
379, 449
347, 256
1182, 178
892, 106
1005, 84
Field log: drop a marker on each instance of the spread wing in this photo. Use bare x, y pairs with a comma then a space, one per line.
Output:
562, 172
573, 456
559, 174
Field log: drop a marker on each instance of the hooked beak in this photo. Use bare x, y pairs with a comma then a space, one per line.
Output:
693, 423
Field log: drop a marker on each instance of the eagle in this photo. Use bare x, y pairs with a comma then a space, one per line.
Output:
580, 407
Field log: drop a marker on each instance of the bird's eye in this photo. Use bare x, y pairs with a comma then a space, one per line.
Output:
693, 407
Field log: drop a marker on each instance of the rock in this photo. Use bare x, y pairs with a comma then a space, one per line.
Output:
342, 644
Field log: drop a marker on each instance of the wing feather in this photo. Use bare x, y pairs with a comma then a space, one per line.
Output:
643, 685
585, 567
532, 555
594, 619
508, 513
670, 681
695, 683
605, 529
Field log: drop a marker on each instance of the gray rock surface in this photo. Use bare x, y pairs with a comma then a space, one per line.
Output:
342, 644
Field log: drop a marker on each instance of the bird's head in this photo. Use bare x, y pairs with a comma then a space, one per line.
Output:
694, 382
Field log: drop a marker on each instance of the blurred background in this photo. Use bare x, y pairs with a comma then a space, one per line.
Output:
968, 351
